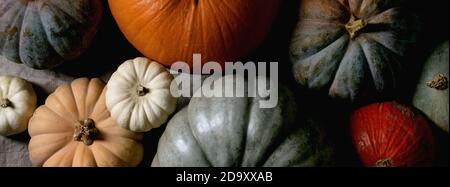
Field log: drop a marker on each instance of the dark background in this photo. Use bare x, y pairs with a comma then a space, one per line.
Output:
110, 49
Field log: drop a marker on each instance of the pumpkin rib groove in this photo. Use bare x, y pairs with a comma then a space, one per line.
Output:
86, 150
21, 89
48, 32
231, 10
345, 6
369, 63
61, 116
54, 114
391, 69
57, 146
333, 41
88, 110
415, 142
271, 149
191, 130
221, 32
53, 47
112, 153
8, 87
135, 68
124, 110
91, 86
391, 139
65, 155
246, 121
347, 52
7, 127
158, 106
95, 108
72, 100
304, 21
221, 29
132, 23
369, 37
53, 6
65, 131
148, 111
391, 52
305, 76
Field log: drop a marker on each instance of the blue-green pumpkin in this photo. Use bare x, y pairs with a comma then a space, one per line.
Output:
236, 131
352, 49
45, 33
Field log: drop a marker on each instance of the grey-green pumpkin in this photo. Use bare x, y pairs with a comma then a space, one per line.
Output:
352, 48
235, 131
45, 33
431, 94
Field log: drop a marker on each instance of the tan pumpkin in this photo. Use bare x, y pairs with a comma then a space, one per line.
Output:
74, 128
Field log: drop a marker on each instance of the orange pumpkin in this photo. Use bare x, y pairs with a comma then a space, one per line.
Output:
169, 31
74, 128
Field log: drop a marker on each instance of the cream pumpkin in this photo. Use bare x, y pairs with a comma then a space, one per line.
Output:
17, 104
74, 128
138, 95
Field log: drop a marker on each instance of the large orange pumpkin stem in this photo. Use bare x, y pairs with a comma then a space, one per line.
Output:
354, 26
85, 132
5, 103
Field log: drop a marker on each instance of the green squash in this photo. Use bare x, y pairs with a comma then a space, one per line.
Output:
431, 94
235, 132
45, 33
352, 49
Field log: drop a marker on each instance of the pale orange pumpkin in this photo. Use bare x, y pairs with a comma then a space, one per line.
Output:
74, 128
169, 31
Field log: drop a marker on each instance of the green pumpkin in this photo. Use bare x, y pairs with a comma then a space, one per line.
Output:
431, 94
351, 49
45, 33
235, 131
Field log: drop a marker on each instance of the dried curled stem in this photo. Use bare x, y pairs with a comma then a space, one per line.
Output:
439, 82
354, 26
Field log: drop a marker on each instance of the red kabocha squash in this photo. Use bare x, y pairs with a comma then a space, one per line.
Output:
169, 31
392, 135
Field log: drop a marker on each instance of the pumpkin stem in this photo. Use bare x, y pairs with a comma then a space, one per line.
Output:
85, 132
5, 103
141, 90
354, 26
384, 163
440, 82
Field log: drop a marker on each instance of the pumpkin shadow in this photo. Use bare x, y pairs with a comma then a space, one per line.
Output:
109, 49
150, 143
23, 137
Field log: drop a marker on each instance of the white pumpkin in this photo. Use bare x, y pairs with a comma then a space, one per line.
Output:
138, 95
17, 104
